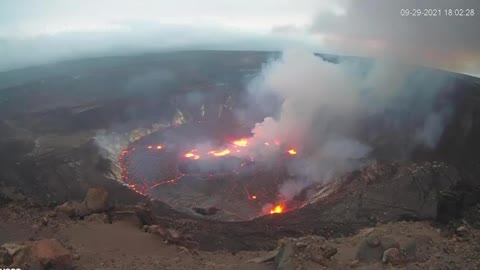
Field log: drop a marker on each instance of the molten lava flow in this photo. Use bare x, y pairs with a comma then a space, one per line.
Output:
191, 155
292, 151
242, 142
220, 153
278, 209
178, 164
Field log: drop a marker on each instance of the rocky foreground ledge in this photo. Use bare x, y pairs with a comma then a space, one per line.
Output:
93, 235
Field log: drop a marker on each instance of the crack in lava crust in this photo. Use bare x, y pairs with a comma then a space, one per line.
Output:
166, 166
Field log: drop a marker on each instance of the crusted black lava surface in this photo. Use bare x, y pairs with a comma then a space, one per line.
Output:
163, 166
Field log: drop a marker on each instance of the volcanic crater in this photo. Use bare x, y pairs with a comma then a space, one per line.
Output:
209, 165
51, 152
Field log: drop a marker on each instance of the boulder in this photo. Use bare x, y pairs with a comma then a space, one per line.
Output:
19, 253
13, 248
393, 256
49, 252
410, 250
66, 209
373, 247
373, 240
328, 252
96, 199
418, 249
367, 253
73, 209
5, 258
81, 209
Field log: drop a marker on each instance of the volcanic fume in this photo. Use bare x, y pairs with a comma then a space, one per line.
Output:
335, 113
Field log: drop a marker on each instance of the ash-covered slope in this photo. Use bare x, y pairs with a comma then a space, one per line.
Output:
48, 124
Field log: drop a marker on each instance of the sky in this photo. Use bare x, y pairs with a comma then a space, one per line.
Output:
33, 32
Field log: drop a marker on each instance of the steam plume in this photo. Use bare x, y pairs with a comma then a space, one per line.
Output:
336, 114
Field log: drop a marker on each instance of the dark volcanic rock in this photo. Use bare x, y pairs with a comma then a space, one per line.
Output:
206, 211
381, 193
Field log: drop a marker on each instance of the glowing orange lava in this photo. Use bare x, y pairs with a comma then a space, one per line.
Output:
191, 155
241, 142
292, 151
220, 153
278, 209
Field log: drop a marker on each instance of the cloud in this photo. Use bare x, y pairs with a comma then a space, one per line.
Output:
135, 38
60, 30
285, 29
377, 28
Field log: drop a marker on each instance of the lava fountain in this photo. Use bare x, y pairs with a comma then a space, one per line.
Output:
278, 209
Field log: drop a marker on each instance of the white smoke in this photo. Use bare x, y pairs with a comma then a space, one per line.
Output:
306, 86
111, 144
432, 129
322, 104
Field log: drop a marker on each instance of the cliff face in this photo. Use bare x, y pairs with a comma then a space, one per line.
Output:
460, 142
